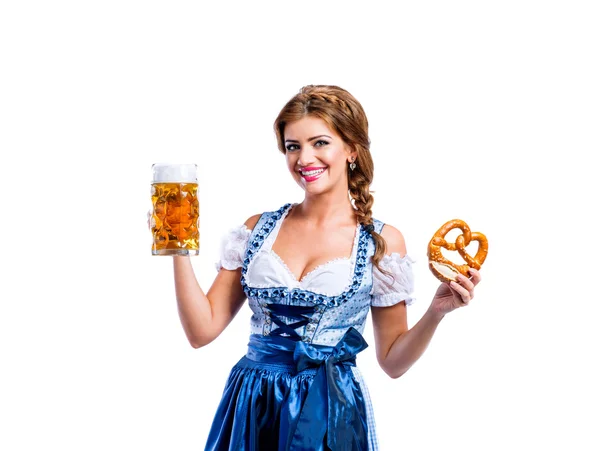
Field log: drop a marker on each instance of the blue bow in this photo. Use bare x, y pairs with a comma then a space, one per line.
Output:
335, 404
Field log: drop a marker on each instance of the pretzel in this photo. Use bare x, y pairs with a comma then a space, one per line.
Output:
446, 270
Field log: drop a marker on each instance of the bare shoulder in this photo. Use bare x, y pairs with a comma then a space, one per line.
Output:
394, 240
252, 221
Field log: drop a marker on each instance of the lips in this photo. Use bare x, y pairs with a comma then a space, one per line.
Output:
311, 168
311, 173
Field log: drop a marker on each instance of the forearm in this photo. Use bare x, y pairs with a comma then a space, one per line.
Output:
195, 311
411, 345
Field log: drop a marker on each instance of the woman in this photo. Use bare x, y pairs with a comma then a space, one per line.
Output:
311, 272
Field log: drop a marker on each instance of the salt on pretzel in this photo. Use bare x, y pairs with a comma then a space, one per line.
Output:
446, 270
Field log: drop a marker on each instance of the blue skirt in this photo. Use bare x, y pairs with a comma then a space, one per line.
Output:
286, 395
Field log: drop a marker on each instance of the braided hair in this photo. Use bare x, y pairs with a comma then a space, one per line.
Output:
345, 115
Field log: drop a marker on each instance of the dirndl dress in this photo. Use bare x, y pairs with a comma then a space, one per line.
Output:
298, 387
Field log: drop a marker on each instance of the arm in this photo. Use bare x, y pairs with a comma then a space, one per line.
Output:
398, 347
205, 316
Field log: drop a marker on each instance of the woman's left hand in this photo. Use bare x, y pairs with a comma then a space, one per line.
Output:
457, 294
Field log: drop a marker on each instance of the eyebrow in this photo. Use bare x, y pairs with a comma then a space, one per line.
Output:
310, 139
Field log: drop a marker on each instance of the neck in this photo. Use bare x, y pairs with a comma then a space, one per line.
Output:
326, 208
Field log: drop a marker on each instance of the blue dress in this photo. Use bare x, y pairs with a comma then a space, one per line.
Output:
298, 387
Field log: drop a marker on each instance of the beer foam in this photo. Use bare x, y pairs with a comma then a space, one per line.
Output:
166, 172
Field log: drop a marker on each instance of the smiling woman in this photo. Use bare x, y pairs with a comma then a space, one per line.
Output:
311, 272
314, 155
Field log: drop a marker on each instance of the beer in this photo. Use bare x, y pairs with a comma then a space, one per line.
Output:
175, 210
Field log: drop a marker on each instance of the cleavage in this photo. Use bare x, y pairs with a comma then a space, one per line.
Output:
306, 273
345, 251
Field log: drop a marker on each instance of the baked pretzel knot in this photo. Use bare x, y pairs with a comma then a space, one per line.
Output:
446, 270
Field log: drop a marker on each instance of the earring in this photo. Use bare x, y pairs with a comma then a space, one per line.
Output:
352, 165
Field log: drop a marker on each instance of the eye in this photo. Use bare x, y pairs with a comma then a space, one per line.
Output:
292, 147
321, 143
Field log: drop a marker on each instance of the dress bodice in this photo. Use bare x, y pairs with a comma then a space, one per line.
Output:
267, 269
327, 301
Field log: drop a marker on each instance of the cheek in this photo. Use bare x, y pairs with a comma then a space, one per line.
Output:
336, 156
291, 163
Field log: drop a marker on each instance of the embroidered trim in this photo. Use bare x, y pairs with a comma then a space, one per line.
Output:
268, 242
297, 294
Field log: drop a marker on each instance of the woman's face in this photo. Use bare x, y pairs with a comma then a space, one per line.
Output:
316, 156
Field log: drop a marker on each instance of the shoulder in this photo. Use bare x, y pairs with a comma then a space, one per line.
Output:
251, 222
394, 240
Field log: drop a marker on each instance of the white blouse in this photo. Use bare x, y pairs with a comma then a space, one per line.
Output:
332, 278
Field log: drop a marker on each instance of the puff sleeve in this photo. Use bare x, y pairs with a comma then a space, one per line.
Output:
233, 248
387, 291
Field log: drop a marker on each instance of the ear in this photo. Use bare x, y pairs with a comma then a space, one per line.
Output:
352, 153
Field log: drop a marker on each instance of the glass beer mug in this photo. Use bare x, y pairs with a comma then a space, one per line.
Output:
175, 210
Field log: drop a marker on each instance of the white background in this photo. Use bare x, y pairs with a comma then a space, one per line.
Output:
486, 111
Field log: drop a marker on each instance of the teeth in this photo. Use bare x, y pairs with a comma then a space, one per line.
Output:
318, 171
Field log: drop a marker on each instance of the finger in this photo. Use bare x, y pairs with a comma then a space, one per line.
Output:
151, 223
475, 276
468, 284
465, 282
462, 292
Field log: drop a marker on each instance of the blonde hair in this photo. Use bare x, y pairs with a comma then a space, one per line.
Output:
345, 115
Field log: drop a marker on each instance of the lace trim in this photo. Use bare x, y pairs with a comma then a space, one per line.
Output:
282, 263
386, 289
297, 283
322, 265
233, 248
387, 300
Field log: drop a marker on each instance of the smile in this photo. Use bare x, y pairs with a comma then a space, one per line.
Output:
313, 172
310, 174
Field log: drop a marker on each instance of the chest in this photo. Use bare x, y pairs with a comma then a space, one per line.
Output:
304, 249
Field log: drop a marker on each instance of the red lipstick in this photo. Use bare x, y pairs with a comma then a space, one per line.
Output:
311, 173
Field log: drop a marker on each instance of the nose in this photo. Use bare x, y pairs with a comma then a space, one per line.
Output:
306, 155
